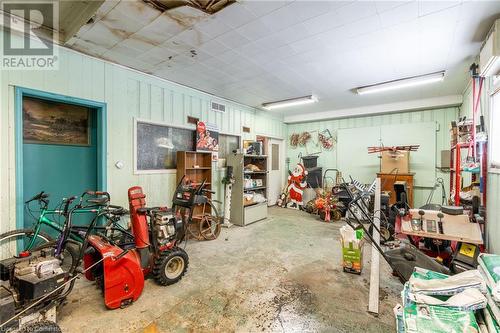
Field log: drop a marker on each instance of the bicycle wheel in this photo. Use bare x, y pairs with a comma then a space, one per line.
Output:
209, 225
15, 241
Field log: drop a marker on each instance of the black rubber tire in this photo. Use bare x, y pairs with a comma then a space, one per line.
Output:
44, 326
336, 215
165, 259
11, 234
386, 232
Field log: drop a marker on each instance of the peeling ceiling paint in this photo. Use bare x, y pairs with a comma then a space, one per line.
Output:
260, 51
207, 6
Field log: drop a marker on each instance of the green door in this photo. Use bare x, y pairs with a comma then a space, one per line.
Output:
59, 152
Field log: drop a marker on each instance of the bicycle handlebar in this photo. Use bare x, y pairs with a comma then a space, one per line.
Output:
67, 202
40, 197
121, 255
117, 210
94, 193
97, 193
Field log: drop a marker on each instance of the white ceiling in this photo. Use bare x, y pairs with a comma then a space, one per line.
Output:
260, 51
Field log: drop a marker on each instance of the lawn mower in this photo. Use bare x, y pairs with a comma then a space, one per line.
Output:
402, 260
121, 274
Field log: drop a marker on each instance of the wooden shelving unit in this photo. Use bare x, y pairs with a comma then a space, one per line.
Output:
197, 167
246, 212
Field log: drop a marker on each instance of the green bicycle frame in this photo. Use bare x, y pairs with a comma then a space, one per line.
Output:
44, 220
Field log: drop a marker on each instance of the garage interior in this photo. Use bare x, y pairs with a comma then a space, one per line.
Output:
250, 166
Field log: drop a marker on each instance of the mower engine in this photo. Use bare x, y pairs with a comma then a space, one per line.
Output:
166, 226
27, 278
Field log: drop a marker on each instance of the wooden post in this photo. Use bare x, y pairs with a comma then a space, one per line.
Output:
373, 300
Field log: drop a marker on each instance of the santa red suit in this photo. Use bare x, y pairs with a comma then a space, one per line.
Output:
296, 184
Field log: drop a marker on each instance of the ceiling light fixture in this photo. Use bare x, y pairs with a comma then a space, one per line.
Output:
402, 83
290, 102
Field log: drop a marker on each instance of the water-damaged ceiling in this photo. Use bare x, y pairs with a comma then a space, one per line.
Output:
260, 51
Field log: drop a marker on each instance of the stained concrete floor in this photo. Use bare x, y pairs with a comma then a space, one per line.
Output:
278, 275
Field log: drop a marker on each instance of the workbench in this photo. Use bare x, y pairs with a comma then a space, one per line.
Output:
466, 237
455, 227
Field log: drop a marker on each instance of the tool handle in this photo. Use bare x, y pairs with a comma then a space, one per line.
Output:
121, 255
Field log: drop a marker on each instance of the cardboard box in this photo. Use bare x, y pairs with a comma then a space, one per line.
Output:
352, 257
399, 160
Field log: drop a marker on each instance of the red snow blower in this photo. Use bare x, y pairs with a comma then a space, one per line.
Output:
121, 274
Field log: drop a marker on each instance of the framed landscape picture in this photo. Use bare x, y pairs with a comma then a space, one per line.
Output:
47, 122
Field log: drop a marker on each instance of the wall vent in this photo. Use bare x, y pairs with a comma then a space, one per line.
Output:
217, 107
192, 120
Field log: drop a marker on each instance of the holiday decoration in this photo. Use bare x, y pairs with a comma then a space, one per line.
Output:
296, 185
326, 139
304, 138
294, 140
328, 207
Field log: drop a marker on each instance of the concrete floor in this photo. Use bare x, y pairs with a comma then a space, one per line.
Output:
282, 275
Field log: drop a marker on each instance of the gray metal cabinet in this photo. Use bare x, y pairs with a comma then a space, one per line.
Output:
250, 173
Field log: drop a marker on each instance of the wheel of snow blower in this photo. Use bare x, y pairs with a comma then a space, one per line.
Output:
170, 266
44, 326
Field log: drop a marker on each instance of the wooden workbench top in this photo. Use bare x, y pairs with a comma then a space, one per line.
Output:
455, 227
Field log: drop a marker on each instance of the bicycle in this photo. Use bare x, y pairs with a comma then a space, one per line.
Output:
30, 238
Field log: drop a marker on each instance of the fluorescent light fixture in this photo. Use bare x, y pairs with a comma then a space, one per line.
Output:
290, 102
402, 83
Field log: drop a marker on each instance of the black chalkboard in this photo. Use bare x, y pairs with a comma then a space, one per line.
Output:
157, 145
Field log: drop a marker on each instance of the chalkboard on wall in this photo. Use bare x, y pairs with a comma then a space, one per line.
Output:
157, 145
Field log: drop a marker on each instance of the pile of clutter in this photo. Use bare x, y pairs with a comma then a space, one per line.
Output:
439, 303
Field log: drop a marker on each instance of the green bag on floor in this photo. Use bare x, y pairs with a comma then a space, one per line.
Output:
422, 318
490, 266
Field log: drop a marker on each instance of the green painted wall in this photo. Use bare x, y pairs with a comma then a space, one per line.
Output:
128, 94
493, 181
328, 159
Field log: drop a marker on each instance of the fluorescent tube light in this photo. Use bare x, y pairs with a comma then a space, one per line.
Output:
402, 83
290, 102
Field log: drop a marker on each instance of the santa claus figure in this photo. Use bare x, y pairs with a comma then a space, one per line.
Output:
296, 185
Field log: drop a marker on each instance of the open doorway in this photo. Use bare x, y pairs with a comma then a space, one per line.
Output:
273, 148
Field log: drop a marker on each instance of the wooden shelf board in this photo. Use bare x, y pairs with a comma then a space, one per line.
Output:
254, 204
255, 156
255, 188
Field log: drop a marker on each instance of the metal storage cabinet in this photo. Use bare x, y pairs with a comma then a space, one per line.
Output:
242, 214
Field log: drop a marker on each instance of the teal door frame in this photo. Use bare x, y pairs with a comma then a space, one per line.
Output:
100, 108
